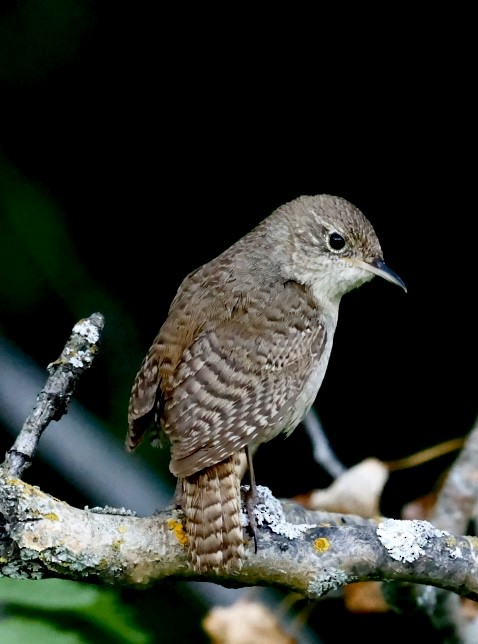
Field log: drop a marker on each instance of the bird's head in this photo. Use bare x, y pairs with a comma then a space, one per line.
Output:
332, 246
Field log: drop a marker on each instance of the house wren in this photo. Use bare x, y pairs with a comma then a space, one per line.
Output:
242, 354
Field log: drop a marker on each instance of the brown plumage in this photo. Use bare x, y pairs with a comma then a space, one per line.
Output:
242, 354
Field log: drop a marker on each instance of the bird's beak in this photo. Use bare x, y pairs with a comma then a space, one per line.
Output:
378, 267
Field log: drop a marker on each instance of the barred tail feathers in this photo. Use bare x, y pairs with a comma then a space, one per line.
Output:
211, 500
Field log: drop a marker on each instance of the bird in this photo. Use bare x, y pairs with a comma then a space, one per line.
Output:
241, 356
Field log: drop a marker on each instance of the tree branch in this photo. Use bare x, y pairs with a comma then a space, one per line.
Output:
45, 537
456, 502
453, 510
52, 402
304, 551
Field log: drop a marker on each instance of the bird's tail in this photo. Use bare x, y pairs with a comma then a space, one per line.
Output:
211, 501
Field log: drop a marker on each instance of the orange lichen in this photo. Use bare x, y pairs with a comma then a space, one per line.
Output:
51, 516
321, 544
177, 528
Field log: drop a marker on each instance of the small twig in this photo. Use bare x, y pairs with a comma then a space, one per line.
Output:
425, 455
322, 451
53, 400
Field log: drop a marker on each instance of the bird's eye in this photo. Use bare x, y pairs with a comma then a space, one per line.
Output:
336, 241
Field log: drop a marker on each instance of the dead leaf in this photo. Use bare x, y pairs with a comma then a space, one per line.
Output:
244, 622
419, 508
365, 597
356, 491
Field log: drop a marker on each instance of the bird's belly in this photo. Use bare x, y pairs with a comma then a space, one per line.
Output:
287, 419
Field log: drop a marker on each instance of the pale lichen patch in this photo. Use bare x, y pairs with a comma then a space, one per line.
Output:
457, 553
268, 511
108, 509
88, 330
78, 358
15, 570
329, 579
406, 540
69, 560
12, 485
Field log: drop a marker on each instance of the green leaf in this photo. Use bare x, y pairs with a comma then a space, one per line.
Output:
22, 630
55, 598
55, 594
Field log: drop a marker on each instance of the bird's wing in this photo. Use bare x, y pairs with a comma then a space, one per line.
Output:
185, 321
146, 401
238, 382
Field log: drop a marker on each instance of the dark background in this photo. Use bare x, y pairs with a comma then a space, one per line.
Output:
136, 144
